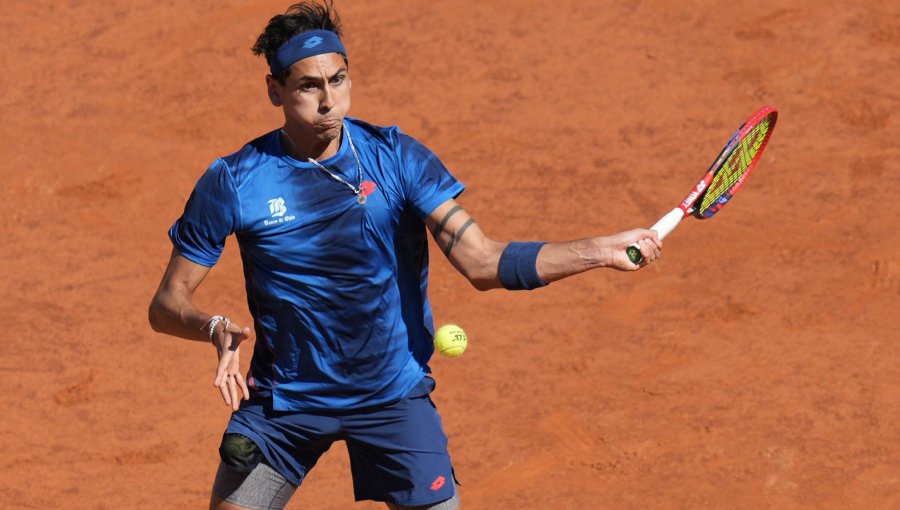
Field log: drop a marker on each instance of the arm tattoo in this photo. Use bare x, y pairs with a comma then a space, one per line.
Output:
457, 237
440, 228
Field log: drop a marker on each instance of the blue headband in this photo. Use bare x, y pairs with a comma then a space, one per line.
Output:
303, 45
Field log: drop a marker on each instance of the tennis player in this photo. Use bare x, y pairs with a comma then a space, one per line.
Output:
330, 214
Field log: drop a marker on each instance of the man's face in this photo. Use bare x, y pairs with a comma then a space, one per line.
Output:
316, 95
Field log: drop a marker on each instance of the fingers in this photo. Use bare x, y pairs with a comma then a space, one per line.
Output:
227, 353
647, 241
229, 390
222, 368
228, 379
242, 385
233, 393
226, 393
654, 236
234, 389
651, 248
650, 245
227, 343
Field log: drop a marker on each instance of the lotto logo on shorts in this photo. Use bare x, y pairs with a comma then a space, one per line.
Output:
312, 42
438, 483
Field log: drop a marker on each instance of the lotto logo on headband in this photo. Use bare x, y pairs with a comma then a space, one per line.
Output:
304, 45
312, 42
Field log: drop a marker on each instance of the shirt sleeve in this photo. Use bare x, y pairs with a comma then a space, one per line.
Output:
426, 180
210, 215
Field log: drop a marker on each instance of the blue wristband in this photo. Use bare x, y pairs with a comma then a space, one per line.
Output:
517, 270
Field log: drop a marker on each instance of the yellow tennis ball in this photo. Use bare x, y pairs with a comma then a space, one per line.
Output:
450, 340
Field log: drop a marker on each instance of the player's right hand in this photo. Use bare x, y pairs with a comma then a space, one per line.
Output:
229, 379
647, 240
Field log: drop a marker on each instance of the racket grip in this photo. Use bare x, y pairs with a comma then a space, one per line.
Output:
634, 254
663, 227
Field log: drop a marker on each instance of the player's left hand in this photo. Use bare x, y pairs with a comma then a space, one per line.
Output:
229, 379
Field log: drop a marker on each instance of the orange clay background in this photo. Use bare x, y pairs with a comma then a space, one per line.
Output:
754, 366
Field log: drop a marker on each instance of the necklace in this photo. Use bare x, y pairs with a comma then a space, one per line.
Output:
360, 198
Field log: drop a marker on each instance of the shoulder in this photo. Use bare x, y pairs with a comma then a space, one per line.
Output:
235, 169
253, 154
371, 133
389, 137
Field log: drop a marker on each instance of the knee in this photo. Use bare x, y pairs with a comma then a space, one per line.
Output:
239, 453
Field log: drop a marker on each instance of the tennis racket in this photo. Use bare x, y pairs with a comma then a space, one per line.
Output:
723, 179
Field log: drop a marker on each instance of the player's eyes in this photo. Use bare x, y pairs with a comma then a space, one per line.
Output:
308, 86
337, 80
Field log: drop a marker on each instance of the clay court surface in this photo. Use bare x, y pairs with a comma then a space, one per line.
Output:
754, 366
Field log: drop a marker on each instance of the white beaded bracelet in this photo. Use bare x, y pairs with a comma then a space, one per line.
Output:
213, 322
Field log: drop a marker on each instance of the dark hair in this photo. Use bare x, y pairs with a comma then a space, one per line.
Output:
298, 18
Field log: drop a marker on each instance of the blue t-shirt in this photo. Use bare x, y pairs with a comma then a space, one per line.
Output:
337, 289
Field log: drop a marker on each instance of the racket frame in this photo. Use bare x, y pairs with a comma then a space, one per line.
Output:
667, 223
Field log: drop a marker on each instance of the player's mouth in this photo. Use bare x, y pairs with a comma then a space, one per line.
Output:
328, 124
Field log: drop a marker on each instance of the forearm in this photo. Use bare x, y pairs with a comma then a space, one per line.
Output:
522, 267
556, 261
179, 317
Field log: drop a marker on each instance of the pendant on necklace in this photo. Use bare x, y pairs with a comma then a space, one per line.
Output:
360, 199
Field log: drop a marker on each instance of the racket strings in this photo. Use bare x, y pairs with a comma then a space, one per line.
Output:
734, 167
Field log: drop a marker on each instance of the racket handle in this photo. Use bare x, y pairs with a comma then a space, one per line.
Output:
634, 254
663, 227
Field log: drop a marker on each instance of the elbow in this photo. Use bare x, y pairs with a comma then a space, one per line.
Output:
154, 315
483, 279
484, 284
153, 318
481, 271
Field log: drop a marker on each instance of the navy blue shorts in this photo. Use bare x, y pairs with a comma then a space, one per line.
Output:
398, 452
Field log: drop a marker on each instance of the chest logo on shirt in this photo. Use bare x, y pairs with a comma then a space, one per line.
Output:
366, 188
278, 209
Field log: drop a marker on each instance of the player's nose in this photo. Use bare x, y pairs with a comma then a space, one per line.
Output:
326, 102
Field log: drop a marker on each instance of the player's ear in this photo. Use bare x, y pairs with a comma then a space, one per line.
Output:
274, 90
